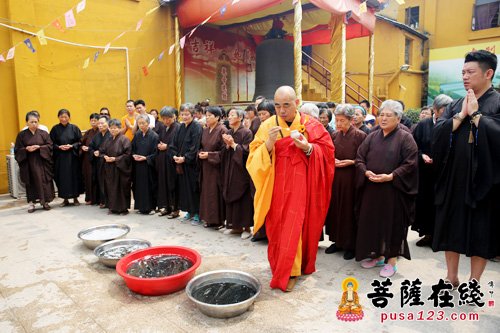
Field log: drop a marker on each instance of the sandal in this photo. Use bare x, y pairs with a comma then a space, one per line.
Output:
46, 206
455, 285
174, 215
31, 208
64, 203
291, 284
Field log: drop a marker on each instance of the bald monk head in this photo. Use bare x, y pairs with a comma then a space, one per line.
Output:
286, 103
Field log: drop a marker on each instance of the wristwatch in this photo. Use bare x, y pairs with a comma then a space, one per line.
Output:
475, 114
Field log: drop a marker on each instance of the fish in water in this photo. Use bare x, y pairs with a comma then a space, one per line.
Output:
220, 293
159, 266
121, 251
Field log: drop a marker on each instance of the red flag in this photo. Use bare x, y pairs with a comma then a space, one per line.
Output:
58, 25
145, 70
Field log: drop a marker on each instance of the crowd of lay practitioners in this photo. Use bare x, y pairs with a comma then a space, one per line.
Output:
285, 173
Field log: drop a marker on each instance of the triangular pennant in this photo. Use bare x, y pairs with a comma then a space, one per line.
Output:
223, 10
86, 63
161, 55
11, 53
145, 70
29, 45
2, 59
70, 19
138, 26
182, 42
41, 37
363, 8
400, 2
151, 62
151, 10
171, 49
80, 6
234, 2
106, 48
96, 55
347, 16
206, 20
192, 31
58, 25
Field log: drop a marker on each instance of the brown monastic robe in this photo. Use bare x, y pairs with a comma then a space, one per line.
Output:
340, 224
36, 167
212, 209
386, 210
117, 174
236, 180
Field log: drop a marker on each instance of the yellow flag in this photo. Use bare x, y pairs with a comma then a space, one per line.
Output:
41, 37
151, 10
151, 62
86, 63
400, 2
362, 7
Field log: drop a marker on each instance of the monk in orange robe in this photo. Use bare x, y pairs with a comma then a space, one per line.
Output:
293, 176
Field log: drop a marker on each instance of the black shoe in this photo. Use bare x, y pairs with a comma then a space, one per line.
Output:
348, 255
425, 241
332, 249
258, 239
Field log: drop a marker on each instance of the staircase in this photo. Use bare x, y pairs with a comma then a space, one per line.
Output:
316, 83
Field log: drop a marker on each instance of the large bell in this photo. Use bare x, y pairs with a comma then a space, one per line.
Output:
274, 67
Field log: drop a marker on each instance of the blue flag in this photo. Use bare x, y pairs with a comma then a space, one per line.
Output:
27, 41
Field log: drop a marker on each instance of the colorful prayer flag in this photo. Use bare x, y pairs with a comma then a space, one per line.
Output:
192, 31
161, 55
400, 2
347, 16
106, 48
363, 8
182, 42
151, 10
171, 49
151, 62
80, 6
11, 52
86, 63
145, 70
234, 1
96, 55
2, 59
138, 25
223, 10
70, 18
41, 37
28, 43
58, 25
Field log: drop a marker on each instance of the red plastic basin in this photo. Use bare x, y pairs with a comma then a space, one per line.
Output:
163, 285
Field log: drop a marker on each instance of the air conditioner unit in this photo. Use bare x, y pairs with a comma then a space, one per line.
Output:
16, 186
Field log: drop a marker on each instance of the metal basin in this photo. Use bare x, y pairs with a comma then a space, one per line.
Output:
97, 235
227, 310
115, 244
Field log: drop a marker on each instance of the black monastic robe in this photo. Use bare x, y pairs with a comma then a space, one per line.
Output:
187, 144
212, 207
67, 166
87, 165
236, 180
36, 167
386, 210
165, 135
117, 174
144, 183
468, 180
97, 191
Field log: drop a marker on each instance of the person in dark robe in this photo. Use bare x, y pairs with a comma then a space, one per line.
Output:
265, 110
251, 113
33, 153
184, 150
325, 117
424, 208
359, 119
97, 161
387, 178
104, 111
144, 151
235, 177
67, 167
117, 169
405, 120
340, 224
466, 153
85, 158
212, 207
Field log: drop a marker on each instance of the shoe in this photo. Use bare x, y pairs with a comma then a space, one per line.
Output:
388, 271
164, 212
125, 212
245, 235
88, 203
76, 202
196, 220
348, 255
46, 206
232, 232
291, 283
424, 241
186, 217
222, 229
64, 203
370, 263
31, 208
332, 249
102, 206
173, 215
455, 284
257, 239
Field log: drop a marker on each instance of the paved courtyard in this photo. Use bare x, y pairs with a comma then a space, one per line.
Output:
50, 282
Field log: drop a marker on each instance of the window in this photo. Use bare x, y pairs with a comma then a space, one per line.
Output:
412, 17
408, 50
486, 14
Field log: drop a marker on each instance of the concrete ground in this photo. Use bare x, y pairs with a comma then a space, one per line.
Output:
49, 282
